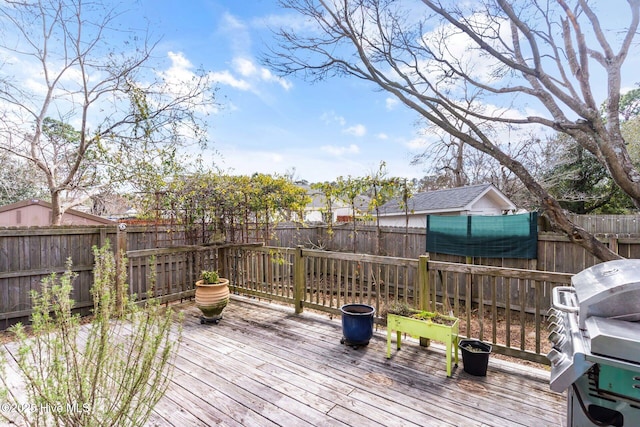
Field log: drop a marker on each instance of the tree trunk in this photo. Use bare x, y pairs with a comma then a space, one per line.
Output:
577, 235
56, 208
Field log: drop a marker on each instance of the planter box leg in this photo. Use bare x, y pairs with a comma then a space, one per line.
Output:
388, 343
456, 346
398, 341
452, 347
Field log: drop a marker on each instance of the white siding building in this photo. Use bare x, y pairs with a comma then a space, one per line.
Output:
483, 199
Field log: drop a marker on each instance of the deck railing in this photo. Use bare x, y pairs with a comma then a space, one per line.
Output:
503, 306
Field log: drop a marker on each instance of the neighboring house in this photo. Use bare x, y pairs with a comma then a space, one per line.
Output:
37, 213
483, 199
316, 211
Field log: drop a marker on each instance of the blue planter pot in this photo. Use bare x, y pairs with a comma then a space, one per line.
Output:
357, 324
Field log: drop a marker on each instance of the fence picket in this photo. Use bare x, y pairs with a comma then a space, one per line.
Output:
327, 279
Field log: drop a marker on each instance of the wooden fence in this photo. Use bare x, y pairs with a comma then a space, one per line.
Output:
504, 306
608, 224
555, 252
502, 301
29, 254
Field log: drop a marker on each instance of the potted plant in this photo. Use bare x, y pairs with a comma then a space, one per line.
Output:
475, 356
424, 324
212, 295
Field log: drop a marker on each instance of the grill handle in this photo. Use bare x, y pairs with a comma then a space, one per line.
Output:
557, 301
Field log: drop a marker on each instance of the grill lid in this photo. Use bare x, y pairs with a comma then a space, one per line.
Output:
610, 290
614, 338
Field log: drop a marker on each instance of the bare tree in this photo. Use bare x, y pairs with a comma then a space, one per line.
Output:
17, 181
458, 164
551, 56
82, 100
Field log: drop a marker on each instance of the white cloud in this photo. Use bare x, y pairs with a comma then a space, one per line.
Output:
308, 163
237, 32
226, 78
382, 136
391, 103
357, 130
340, 151
248, 69
294, 21
239, 35
330, 117
179, 80
417, 143
269, 77
274, 158
179, 72
461, 51
179, 61
245, 67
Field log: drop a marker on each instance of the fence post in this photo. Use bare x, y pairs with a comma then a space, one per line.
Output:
221, 262
423, 282
425, 290
298, 280
613, 244
121, 252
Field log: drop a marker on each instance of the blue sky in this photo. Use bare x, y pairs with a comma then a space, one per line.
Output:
266, 124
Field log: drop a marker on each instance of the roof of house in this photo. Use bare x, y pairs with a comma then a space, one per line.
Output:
73, 212
450, 199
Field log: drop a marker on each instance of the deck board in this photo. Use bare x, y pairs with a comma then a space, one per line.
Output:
298, 373
263, 365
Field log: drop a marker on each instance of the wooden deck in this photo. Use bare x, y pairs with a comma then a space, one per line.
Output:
263, 365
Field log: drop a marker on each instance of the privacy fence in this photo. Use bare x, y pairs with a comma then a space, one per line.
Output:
498, 300
27, 255
505, 306
555, 253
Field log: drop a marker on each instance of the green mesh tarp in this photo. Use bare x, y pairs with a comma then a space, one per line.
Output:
500, 236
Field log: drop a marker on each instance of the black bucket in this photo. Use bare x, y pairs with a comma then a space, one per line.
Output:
357, 324
475, 356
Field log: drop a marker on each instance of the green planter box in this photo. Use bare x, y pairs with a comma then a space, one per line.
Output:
447, 334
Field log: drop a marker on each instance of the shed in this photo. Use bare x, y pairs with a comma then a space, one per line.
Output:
482, 199
37, 213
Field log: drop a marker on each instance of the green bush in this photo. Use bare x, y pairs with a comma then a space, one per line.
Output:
110, 372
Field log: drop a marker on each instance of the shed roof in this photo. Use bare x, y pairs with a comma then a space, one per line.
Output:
47, 205
450, 199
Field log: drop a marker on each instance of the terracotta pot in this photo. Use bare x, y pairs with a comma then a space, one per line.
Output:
211, 299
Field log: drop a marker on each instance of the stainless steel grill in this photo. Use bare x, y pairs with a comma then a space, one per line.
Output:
595, 332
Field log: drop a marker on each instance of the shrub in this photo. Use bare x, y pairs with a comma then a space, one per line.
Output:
110, 372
